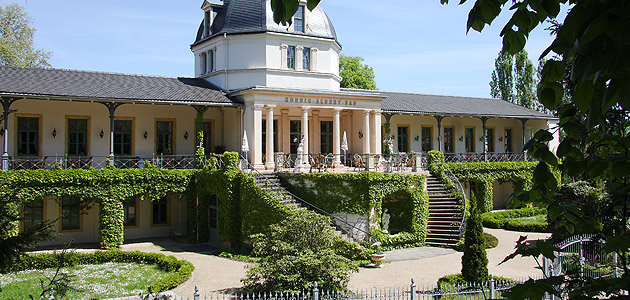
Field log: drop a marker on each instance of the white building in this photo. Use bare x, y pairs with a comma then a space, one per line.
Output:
253, 76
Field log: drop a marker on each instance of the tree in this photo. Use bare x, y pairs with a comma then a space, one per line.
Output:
502, 80
16, 39
354, 74
587, 87
513, 79
297, 252
474, 259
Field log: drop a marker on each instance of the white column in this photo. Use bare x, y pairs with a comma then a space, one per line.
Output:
305, 134
378, 138
366, 131
298, 57
270, 150
285, 138
316, 132
283, 56
256, 135
336, 137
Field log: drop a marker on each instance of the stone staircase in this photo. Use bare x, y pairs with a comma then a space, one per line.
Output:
272, 182
444, 215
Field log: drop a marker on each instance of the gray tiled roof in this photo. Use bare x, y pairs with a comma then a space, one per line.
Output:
253, 16
58, 83
424, 104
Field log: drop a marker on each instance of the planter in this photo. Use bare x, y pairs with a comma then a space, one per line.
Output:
378, 259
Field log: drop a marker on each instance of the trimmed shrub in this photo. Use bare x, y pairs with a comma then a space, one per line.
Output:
514, 220
474, 260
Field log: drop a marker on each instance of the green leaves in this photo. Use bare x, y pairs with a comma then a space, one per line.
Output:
283, 10
354, 74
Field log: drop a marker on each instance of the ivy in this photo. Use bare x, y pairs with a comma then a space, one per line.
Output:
481, 175
365, 194
244, 208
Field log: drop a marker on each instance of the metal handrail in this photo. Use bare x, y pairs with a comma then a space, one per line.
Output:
251, 169
458, 186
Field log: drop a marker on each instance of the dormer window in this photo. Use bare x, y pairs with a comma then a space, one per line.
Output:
298, 19
206, 24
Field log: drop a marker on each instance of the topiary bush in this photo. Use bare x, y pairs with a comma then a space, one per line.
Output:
521, 219
474, 260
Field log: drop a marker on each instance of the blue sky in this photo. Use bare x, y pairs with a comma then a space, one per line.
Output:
414, 46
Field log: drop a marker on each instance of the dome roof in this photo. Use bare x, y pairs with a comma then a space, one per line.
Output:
255, 16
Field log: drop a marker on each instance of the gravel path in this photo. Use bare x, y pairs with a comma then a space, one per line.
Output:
425, 265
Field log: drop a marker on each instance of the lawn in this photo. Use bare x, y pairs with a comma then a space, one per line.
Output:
106, 280
522, 219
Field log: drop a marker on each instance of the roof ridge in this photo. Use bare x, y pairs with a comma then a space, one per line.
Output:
96, 72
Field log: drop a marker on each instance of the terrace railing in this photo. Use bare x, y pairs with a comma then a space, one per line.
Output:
99, 162
488, 157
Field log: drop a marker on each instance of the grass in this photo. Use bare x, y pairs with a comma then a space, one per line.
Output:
106, 280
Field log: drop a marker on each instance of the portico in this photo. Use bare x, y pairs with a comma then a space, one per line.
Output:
314, 119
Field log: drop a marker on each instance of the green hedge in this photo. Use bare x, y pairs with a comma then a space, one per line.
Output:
363, 194
179, 270
508, 219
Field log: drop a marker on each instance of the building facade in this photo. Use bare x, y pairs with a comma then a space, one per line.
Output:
277, 84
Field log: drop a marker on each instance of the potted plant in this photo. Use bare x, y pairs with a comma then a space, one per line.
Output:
378, 256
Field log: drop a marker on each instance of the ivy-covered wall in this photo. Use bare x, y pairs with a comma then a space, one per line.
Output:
244, 208
481, 175
363, 194
107, 187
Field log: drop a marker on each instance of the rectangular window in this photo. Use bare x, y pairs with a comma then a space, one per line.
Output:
403, 138
122, 137
296, 134
160, 211
70, 213
448, 140
210, 61
164, 137
306, 59
508, 140
130, 210
207, 137
427, 139
489, 139
204, 63
33, 213
28, 136
326, 139
470, 139
213, 212
264, 135
77, 137
298, 19
291, 57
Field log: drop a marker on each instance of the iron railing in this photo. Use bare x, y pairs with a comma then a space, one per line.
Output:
99, 162
249, 168
486, 290
460, 190
487, 157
